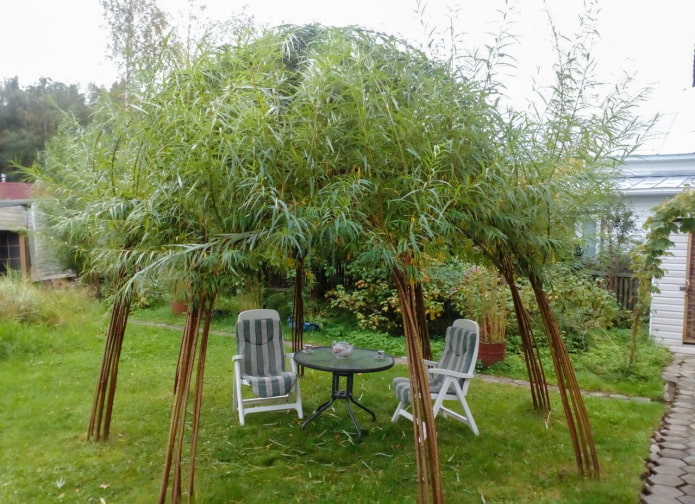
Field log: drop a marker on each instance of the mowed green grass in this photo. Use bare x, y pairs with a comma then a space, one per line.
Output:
48, 380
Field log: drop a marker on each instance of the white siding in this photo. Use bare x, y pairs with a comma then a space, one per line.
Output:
643, 207
668, 305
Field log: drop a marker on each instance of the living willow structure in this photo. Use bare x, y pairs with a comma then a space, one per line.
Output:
309, 143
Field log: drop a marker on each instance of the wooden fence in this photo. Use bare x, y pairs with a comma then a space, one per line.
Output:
624, 286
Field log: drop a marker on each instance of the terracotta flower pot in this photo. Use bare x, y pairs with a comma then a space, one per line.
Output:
178, 307
490, 353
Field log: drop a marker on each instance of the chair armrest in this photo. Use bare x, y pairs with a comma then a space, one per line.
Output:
237, 357
430, 363
449, 372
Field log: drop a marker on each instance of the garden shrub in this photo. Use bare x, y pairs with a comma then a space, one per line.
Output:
24, 301
579, 302
373, 301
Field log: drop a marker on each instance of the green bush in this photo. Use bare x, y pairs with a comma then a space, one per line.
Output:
580, 303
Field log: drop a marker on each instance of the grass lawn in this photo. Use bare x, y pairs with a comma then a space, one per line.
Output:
48, 376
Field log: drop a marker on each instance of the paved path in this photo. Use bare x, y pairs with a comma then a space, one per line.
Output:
671, 465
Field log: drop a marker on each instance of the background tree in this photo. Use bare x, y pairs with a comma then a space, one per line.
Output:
29, 117
138, 42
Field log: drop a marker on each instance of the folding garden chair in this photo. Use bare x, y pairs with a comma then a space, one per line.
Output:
260, 364
450, 377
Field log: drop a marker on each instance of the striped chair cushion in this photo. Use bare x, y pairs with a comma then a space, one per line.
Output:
457, 355
263, 367
401, 386
270, 386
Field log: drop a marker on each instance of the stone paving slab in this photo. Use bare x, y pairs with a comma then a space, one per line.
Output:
671, 463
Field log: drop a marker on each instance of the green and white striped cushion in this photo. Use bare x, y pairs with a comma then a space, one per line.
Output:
263, 366
457, 356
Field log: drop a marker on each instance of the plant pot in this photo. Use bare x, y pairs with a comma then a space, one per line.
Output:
178, 307
490, 353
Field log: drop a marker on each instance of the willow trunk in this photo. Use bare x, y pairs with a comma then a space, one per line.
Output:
430, 489
422, 321
534, 365
105, 392
193, 349
572, 400
298, 311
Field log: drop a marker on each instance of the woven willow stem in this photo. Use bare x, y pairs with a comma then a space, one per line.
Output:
424, 430
105, 391
532, 358
572, 400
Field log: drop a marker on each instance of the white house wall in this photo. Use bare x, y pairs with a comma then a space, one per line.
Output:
643, 207
668, 305
646, 182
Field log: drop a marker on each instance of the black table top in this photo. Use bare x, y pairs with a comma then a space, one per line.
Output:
362, 360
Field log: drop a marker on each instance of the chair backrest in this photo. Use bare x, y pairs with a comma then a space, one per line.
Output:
259, 341
460, 348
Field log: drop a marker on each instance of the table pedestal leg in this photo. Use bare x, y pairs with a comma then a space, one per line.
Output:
337, 393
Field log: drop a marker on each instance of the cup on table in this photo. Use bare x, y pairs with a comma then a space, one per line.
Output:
380, 354
308, 348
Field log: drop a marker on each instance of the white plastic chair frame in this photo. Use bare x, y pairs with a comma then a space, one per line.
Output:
454, 387
269, 403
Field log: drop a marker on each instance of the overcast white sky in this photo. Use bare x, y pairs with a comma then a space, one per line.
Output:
66, 41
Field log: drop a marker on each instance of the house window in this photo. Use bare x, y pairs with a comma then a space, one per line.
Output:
12, 252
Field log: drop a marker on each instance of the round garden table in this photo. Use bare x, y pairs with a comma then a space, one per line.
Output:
362, 360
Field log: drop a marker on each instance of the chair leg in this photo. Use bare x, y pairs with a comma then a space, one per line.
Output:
397, 412
466, 418
237, 399
240, 407
297, 392
298, 401
401, 411
469, 415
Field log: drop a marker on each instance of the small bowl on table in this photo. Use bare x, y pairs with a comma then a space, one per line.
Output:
342, 349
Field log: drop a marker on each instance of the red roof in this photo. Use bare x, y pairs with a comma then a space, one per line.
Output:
15, 191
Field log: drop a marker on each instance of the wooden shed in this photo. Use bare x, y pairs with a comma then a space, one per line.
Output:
23, 246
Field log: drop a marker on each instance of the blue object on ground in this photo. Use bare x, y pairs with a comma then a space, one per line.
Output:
308, 326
